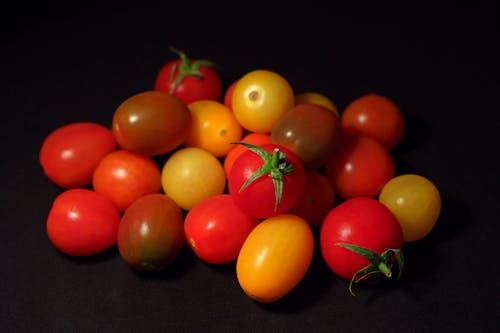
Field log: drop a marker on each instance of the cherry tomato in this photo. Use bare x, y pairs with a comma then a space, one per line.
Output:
151, 233
228, 95
363, 222
189, 80
374, 116
151, 123
416, 203
124, 177
318, 199
215, 229
70, 153
191, 175
253, 138
275, 257
316, 98
360, 167
259, 99
310, 131
82, 222
279, 187
213, 127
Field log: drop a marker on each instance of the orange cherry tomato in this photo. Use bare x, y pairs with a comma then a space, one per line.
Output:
123, 177
253, 138
228, 95
275, 257
213, 127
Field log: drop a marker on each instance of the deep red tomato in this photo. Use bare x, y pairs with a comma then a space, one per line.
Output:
374, 116
360, 167
151, 234
310, 131
363, 222
151, 123
82, 222
70, 153
267, 182
318, 199
216, 228
189, 80
124, 177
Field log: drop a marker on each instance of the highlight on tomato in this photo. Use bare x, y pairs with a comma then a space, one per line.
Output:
151, 234
267, 180
82, 222
275, 257
416, 203
361, 238
70, 153
215, 229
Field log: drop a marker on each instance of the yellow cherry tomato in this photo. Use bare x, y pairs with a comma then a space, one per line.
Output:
259, 98
213, 127
191, 175
416, 203
275, 257
317, 98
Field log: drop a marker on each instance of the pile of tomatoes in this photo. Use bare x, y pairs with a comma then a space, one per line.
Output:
248, 172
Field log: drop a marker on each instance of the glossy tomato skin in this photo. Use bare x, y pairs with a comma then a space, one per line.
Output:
257, 139
275, 257
191, 88
312, 97
416, 203
359, 221
360, 167
82, 222
216, 228
258, 199
151, 123
123, 177
310, 131
150, 235
375, 116
70, 153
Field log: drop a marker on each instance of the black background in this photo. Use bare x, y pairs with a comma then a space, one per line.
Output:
439, 63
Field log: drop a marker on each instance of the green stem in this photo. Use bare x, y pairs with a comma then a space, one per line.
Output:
186, 68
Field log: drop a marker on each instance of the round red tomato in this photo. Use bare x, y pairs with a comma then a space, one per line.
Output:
216, 228
189, 80
151, 235
360, 167
151, 123
266, 180
374, 116
70, 153
228, 95
310, 131
82, 222
124, 177
363, 222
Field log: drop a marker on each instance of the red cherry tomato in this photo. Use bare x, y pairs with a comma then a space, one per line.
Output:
216, 228
260, 198
228, 95
151, 234
124, 177
363, 222
70, 153
360, 167
257, 139
82, 222
189, 80
374, 116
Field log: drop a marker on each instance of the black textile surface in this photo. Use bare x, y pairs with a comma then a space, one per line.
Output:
439, 63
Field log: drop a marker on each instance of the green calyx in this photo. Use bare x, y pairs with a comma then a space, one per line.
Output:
380, 264
186, 68
275, 165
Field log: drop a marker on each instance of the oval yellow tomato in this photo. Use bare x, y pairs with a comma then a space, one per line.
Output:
259, 98
213, 127
317, 98
191, 175
275, 257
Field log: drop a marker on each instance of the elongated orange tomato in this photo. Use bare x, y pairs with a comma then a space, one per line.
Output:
275, 257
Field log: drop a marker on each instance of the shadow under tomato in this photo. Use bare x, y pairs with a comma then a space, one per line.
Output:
106, 255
